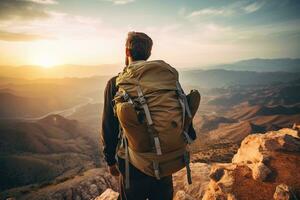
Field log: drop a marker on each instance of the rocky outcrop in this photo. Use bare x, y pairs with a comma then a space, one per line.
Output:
182, 190
265, 167
200, 180
262, 164
83, 187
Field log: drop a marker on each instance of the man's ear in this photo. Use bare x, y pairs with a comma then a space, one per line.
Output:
127, 51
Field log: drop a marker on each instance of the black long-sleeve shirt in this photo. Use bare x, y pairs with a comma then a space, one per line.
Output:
110, 123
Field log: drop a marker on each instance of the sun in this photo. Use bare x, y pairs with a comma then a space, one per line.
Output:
46, 60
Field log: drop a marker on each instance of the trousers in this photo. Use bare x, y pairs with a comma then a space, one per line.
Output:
142, 186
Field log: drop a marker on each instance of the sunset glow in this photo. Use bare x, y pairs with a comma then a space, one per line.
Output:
46, 60
185, 33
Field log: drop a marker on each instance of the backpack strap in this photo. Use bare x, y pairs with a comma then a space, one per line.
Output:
185, 110
187, 137
156, 169
184, 99
122, 141
186, 157
150, 128
127, 183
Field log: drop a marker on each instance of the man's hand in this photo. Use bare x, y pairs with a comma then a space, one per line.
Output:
113, 169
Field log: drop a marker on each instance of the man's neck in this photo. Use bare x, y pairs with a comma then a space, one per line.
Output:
134, 61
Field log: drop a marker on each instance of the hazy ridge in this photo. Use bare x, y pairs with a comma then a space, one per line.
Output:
49, 127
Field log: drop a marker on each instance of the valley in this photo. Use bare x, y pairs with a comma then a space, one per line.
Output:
50, 128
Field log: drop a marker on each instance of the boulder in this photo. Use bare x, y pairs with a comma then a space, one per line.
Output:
182, 195
262, 168
200, 180
109, 194
260, 171
284, 192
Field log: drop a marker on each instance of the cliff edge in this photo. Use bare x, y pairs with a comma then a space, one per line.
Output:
265, 167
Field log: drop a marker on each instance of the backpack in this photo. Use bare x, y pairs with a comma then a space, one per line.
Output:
154, 116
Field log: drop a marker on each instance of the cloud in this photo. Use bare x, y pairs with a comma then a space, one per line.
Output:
229, 10
210, 12
24, 10
16, 37
120, 2
43, 1
253, 7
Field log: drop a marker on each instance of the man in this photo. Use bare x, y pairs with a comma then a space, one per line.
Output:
138, 48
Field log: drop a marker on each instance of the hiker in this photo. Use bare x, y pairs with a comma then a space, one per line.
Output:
134, 146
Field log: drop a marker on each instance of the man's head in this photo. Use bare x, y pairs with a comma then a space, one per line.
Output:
138, 47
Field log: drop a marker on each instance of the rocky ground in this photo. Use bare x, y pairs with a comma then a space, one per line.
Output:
86, 186
265, 167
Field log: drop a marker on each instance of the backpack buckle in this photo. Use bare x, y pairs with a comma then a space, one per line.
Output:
187, 138
142, 100
156, 170
127, 98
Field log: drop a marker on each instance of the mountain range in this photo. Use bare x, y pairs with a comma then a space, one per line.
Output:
61, 71
263, 65
49, 127
53, 148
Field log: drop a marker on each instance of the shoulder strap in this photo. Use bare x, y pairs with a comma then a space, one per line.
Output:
150, 127
185, 110
186, 157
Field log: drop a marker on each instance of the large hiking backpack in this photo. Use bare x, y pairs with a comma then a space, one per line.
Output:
154, 118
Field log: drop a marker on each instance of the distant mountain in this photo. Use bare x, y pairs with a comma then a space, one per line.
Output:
61, 71
16, 106
35, 98
44, 150
264, 65
217, 78
239, 110
271, 95
34, 72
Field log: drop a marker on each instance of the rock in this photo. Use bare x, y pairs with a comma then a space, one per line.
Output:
260, 172
284, 192
182, 195
231, 197
77, 197
255, 148
109, 194
261, 165
94, 190
69, 194
216, 173
85, 195
85, 187
200, 180
296, 127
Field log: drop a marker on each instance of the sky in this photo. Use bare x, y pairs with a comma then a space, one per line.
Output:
186, 33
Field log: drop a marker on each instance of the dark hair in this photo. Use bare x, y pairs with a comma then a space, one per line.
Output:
139, 45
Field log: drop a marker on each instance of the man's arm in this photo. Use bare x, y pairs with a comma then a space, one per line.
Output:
110, 124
